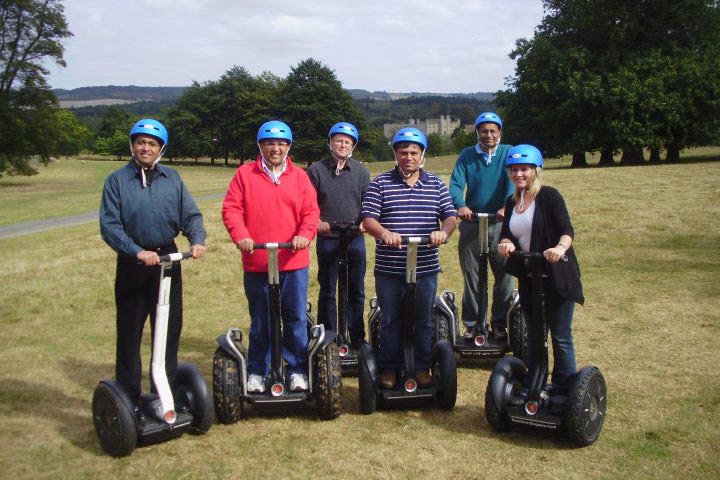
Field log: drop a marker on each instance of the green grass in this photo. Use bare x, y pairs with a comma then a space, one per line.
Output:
647, 240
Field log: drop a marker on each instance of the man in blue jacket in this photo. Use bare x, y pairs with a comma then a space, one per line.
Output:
144, 207
479, 184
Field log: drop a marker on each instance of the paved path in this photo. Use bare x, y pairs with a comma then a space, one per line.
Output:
27, 228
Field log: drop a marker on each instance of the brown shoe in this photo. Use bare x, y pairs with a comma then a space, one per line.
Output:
424, 379
387, 379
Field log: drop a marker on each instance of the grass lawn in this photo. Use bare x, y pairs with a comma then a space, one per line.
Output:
647, 239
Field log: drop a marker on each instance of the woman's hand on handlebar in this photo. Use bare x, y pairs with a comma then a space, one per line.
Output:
505, 248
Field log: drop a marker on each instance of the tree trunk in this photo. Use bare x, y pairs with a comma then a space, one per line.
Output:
672, 154
654, 155
606, 157
578, 160
632, 156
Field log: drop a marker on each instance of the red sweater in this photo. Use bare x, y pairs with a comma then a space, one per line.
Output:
256, 208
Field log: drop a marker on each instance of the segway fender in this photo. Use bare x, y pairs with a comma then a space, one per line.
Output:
505, 370
369, 356
226, 345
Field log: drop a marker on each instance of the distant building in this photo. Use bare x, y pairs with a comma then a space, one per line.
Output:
444, 126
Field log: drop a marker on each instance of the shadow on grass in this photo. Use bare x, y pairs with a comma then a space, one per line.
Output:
26, 400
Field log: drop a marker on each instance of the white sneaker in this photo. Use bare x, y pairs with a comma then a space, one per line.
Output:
255, 384
298, 382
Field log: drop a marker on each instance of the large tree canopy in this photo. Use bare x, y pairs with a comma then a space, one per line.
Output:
616, 74
30, 33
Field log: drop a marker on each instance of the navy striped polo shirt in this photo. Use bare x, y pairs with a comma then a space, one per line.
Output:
409, 211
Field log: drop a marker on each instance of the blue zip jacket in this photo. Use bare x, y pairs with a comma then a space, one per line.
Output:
488, 186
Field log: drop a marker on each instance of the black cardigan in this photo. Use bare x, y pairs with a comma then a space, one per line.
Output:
550, 221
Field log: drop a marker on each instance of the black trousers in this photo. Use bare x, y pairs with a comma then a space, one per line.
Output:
136, 293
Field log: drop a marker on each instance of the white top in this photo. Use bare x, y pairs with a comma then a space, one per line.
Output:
521, 226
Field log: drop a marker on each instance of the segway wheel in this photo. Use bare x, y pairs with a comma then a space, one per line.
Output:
586, 407
226, 387
329, 388
498, 419
189, 385
519, 334
368, 398
114, 421
445, 372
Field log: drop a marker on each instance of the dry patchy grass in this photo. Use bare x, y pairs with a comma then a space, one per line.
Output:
651, 277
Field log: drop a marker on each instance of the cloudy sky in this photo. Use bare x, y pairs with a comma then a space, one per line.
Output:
393, 45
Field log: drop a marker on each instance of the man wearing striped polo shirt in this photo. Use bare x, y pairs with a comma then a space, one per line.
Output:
403, 202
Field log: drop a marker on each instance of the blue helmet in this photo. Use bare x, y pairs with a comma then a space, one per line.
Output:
346, 128
148, 126
489, 117
410, 134
524, 155
274, 129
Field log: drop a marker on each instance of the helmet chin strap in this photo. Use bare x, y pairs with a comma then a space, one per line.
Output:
143, 167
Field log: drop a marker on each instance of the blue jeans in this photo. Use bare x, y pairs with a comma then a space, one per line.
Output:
293, 301
469, 254
327, 256
559, 319
390, 291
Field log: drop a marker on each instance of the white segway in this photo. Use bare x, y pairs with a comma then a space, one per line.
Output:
184, 406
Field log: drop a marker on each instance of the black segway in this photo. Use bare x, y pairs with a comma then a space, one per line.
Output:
348, 355
184, 406
407, 392
230, 374
517, 392
447, 322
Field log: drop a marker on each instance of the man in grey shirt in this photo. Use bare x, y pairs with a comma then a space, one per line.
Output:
341, 182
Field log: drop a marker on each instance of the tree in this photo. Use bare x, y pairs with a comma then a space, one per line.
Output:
30, 32
117, 144
114, 118
72, 135
311, 101
615, 74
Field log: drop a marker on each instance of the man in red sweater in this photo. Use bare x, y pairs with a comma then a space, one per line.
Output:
272, 200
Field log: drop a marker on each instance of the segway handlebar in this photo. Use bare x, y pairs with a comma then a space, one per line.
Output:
266, 245
532, 255
174, 257
338, 228
477, 216
407, 240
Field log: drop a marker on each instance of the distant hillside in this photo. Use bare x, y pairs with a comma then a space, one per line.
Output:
114, 95
362, 94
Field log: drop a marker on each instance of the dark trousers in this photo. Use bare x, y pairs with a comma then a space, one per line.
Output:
328, 251
136, 293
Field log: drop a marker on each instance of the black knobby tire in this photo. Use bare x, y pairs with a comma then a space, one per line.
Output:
445, 372
226, 387
374, 328
441, 329
518, 334
368, 398
328, 378
586, 407
498, 419
189, 385
114, 422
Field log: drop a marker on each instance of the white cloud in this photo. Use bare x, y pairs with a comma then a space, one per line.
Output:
404, 45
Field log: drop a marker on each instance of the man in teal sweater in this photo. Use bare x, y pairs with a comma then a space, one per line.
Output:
479, 184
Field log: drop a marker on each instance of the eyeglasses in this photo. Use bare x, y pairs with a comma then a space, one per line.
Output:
147, 143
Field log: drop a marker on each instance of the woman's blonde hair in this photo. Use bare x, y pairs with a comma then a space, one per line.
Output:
533, 185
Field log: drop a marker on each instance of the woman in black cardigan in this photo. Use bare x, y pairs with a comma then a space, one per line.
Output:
537, 220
